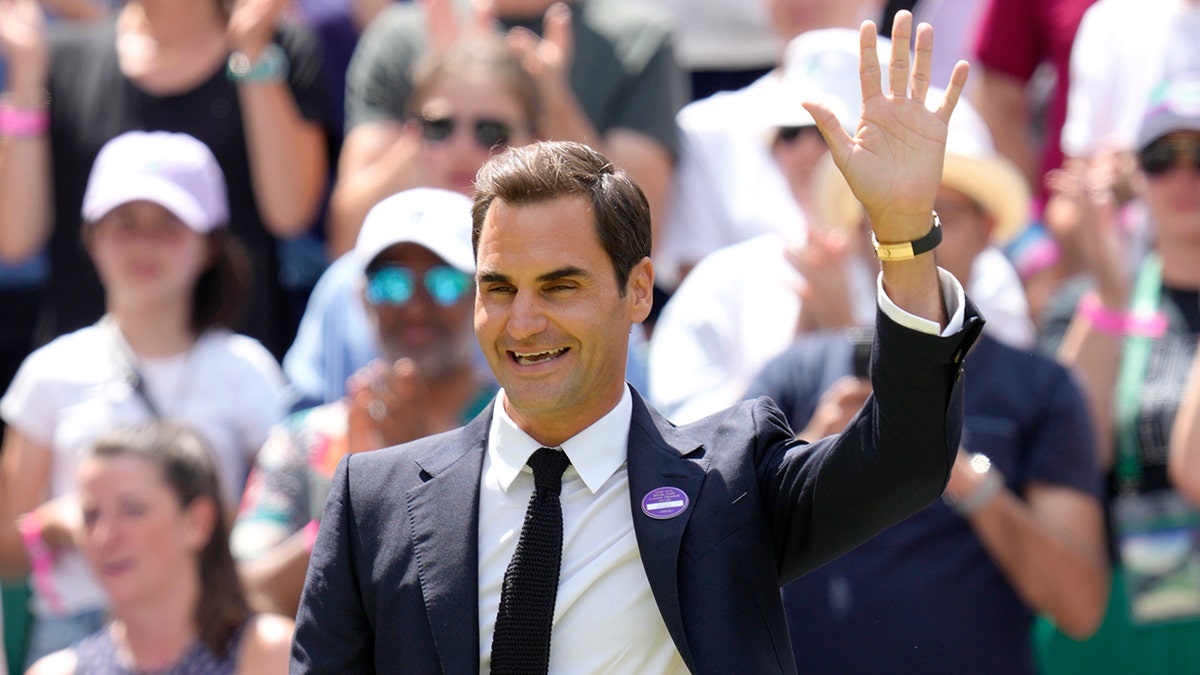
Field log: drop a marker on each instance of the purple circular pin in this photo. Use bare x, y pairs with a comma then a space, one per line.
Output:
664, 502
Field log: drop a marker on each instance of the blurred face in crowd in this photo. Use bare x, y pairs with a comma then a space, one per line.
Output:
1171, 165
797, 150
966, 232
137, 536
421, 307
465, 119
146, 256
550, 317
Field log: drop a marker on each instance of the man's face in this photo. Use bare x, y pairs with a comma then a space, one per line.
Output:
966, 231
549, 316
433, 329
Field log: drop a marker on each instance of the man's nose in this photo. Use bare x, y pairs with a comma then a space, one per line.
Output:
526, 316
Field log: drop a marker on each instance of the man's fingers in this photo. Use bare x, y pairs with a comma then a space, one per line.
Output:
836, 138
557, 27
923, 63
869, 72
898, 65
483, 17
958, 80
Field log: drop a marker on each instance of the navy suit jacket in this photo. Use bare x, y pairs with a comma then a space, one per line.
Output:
393, 581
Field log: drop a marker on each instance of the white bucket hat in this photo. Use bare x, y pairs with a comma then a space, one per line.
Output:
820, 66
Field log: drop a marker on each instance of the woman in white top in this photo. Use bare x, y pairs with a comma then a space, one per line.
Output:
155, 214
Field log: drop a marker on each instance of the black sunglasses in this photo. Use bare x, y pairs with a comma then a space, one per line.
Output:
488, 133
1163, 155
790, 134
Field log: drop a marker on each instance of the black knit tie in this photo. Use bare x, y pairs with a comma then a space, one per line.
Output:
521, 643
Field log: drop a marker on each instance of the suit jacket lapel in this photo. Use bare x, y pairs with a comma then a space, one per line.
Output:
655, 462
444, 513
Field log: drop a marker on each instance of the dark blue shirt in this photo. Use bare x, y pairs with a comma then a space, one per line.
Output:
924, 596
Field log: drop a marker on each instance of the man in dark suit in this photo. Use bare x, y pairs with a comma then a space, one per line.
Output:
675, 540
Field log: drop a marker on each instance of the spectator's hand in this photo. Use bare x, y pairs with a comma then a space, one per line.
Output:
547, 59
252, 24
62, 522
893, 163
23, 44
1095, 240
444, 27
387, 405
838, 405
825, 294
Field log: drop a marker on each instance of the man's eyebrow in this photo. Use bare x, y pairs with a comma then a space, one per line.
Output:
561, 273
492, 278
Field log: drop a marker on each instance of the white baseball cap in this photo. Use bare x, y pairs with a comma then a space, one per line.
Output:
439, 220
173, 170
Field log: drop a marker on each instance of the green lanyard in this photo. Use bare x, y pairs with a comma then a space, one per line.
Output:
1135, 358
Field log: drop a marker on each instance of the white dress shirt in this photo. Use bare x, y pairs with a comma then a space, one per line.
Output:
605, 617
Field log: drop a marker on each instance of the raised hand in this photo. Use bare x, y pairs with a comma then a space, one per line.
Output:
388, 405
893, 163
251, 24
444, 26
547, 59
23, 45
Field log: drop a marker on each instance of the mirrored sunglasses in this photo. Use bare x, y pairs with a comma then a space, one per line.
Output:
1164, 154
488, 133
395, 285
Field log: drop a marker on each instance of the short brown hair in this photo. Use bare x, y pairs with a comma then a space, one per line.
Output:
547, 170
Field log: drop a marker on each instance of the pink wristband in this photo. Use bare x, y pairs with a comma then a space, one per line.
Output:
1102, 318
23, 122
41, 560
310, 534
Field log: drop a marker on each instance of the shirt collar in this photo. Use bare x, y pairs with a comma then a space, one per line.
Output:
595, 453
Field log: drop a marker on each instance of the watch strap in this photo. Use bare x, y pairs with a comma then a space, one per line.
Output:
909, 249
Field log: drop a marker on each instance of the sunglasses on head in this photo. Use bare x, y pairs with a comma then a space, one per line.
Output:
395, 285
1163, 155
488, 133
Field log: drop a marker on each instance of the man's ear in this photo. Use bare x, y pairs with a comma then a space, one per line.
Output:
640, 289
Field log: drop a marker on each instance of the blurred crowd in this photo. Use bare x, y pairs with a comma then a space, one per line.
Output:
235, 245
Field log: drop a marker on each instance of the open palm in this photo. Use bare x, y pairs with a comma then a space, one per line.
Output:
893, 163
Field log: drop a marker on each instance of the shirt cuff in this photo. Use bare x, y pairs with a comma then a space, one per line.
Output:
952, 296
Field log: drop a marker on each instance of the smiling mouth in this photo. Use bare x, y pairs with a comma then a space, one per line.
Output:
534, 358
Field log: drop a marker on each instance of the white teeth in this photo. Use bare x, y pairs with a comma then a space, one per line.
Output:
537, 357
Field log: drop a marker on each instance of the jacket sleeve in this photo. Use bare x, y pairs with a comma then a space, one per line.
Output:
333, 634
892, 460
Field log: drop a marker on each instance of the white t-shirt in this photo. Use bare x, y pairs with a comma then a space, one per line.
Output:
1122, 50
739, 308
727, 187
228, 387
